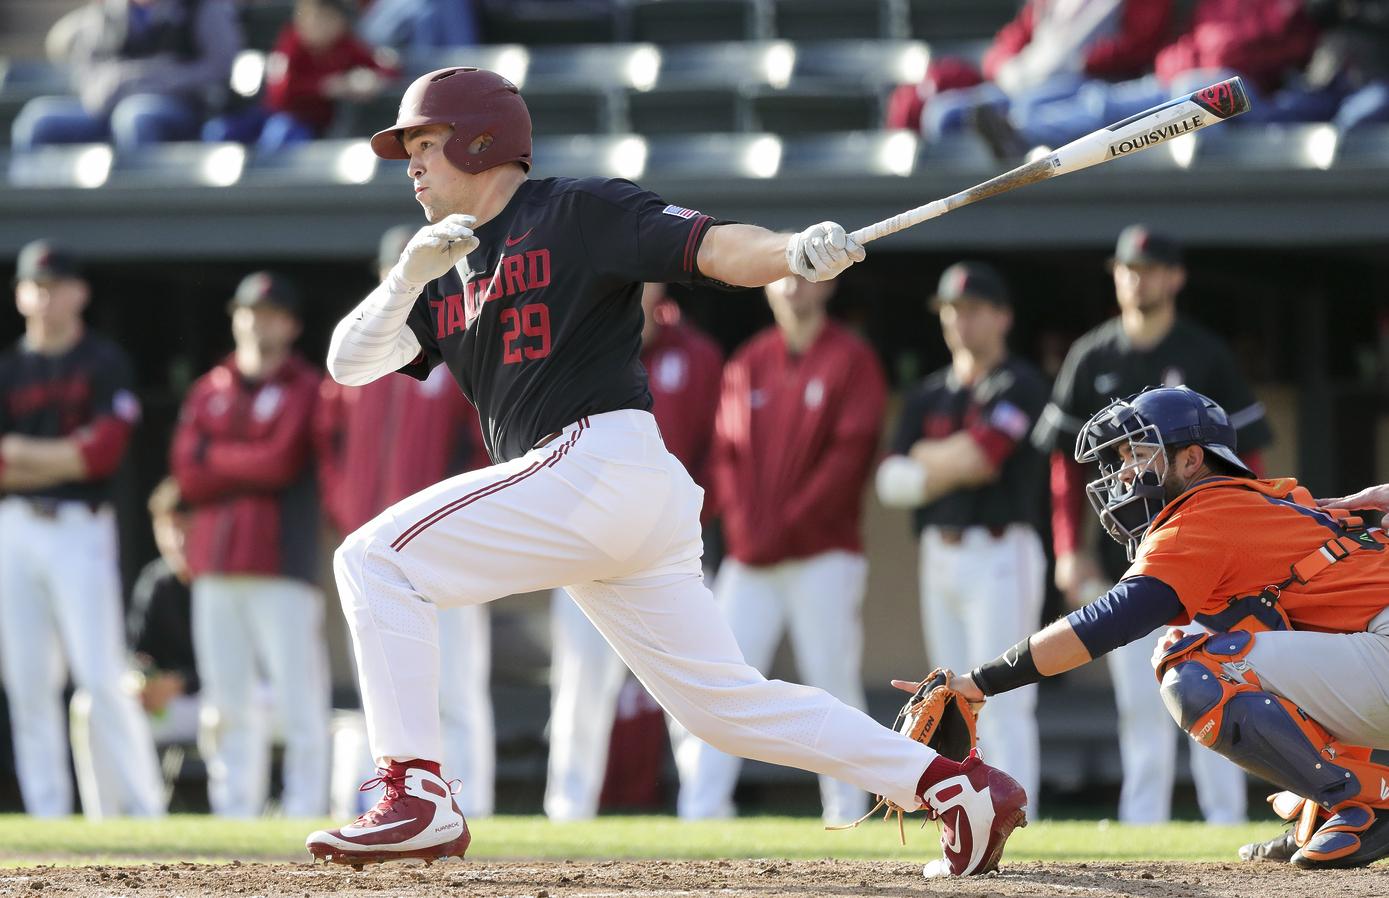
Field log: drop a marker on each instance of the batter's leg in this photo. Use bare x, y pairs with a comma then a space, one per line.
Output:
824, 604
232, 737
286, 620
1147, 743
1002, 604
465, 705
753, 602
585, 678
32, 659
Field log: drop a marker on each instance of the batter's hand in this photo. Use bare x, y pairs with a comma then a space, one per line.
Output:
821, 252
1376, 497
436, 248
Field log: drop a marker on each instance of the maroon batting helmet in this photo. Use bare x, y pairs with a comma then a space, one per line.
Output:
491, 125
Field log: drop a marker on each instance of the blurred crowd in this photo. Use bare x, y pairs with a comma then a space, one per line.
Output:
147, 71
224, 647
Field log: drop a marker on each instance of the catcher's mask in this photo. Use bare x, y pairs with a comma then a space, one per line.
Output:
1130, 439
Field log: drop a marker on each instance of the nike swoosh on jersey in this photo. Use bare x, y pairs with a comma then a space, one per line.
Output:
512, 241
353, 830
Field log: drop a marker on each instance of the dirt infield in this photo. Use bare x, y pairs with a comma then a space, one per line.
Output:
657, 879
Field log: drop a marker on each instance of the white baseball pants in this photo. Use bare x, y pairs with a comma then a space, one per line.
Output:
60, 598
979, 597
607, 512
1148, 747
465, 711
246, 628
820, 601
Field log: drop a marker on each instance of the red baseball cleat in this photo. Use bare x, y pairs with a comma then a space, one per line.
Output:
979, 808
416, 818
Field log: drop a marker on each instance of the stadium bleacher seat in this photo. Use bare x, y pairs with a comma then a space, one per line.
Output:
23, 79
616, 155
855, 153
715, 155
1265, 146
180, 165
805, 109
322, 162
74, 165
958, 152
261, 21
1364, 147
833, 19
956, 20
687, 21
700, 86
542, 22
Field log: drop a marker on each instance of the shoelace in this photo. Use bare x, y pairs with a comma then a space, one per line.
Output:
394, 783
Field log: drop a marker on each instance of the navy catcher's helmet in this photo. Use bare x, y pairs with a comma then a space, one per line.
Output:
1130, 490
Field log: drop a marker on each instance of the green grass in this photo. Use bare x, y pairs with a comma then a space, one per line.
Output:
204, 838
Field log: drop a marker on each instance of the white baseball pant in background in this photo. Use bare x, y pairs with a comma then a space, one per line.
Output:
60, 598
1148, 739
819, 600
979, 597
605, 510
245, 629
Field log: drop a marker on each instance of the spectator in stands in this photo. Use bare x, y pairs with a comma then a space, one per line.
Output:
1046, 53
241, 455
317, 62
159, 630
1263, 40
419, 24
145, 71
1347, 81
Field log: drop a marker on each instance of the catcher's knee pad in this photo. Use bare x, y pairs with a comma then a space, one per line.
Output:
1215, 695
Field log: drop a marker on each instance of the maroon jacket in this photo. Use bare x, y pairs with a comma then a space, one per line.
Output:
241, 456
683, 367
1262, 40
395, 436
794, 444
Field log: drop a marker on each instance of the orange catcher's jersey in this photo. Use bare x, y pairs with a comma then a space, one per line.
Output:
1224, 541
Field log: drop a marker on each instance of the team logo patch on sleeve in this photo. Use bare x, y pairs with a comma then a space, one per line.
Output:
1010, 419
679, 212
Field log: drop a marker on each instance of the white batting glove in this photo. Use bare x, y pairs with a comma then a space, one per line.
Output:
901, 482
435, 249
821, 252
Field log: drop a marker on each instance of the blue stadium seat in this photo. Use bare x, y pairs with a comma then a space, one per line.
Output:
74, 165
714, 155
1265, 146
181, 165
687, 21
323, 162
833, 19
23, 79
1364, 147
700, 87
857, 153
875, 64
585, 155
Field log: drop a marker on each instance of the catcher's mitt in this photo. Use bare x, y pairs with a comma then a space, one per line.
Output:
936, 716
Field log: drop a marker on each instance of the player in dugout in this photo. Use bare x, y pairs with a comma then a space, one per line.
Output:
1292, 681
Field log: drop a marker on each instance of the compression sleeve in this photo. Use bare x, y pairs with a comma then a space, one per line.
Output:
1135, 607
372, 341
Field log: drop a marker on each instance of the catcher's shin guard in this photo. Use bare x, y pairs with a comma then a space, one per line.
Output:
1216, 697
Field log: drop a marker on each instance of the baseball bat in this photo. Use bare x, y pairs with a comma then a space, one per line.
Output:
1182, 115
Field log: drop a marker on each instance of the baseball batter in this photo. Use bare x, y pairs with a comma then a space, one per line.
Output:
1147, 344
67, 408
1292, 680
377, 444
527, 290
961, 459
798, 425
683, 366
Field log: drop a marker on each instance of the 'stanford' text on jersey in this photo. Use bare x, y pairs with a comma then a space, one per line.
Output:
547, 328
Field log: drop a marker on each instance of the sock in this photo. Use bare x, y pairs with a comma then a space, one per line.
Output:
940, 768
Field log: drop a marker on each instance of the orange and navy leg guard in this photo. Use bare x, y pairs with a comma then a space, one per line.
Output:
1216, 696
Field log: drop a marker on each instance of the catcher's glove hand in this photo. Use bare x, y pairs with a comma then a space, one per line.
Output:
938, 716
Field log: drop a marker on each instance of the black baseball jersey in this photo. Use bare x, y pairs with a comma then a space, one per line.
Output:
999, 412
548, 328
87, 393
1103, 366
159, 624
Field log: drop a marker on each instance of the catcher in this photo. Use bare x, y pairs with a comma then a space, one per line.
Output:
1292, 682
